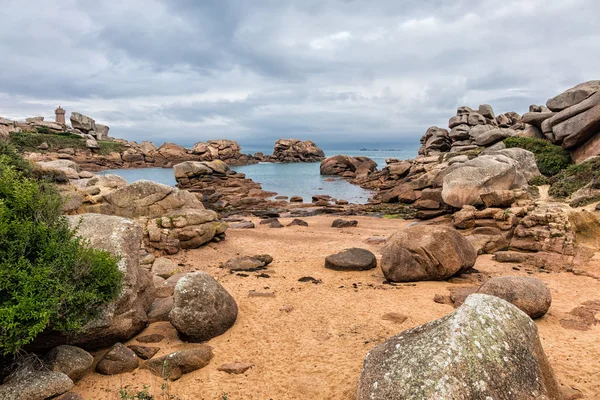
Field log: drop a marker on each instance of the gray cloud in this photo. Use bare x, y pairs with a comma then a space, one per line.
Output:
341, 72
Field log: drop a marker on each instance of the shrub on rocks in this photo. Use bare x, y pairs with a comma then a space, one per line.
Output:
550, 158
426, 252
202, 308
49, 278
487, 348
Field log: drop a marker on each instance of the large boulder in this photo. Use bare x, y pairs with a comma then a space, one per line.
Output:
530, 295
573, 96
426, 252
295, 150
499, 170
202, 308
82, 122
117, 360
492, 136
225, 150
125, 316
486, 349
150, 199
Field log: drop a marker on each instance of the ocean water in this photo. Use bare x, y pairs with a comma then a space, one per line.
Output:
295, 179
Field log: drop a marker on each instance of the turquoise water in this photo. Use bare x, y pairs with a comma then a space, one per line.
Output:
296, 179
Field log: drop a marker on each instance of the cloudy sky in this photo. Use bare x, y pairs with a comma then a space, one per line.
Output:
345, 73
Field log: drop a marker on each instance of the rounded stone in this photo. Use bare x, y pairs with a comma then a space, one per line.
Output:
530, 295
353, 259
202, 309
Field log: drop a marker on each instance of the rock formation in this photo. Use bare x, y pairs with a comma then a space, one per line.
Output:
485, 349
295, 150
348, 167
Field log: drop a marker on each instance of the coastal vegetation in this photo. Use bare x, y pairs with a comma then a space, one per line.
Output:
574, 177
49, 278
550, 158
31, 141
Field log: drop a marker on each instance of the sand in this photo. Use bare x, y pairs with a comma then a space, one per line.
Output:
309, 340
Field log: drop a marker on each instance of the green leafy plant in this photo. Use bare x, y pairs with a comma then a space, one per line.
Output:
49, 278
550, 158
539, 180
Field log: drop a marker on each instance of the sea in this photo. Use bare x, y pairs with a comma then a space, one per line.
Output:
293, 179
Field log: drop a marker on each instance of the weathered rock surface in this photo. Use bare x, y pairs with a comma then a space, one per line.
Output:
29, 384
248, 263
70, 360
485, 349
343, 223
573, 96
347, 166
202, 308
530, 295
295, 150
224, 150
174, 365
353, 259
118, 360
426, 252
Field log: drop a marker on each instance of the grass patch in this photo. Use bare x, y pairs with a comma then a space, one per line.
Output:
30, 141
574, 177
550, 159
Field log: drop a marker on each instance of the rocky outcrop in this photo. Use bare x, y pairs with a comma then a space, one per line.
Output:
227, 151
220, 186
295, 150
184, 229
426, 252
347, 167
202, 308
463, 184
485, 349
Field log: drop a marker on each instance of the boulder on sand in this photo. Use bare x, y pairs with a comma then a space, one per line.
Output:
530, 295
118, 360
202, 308
486, 349
353, 259
70, 360
426, 252
174, 365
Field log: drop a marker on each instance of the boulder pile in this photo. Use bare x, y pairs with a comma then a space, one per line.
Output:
348, 167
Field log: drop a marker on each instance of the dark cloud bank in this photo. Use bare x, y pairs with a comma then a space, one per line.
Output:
344, 73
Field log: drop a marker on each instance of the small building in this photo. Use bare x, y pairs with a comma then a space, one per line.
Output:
60, 115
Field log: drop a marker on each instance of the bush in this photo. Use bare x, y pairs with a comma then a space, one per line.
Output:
574, 178
539, 180
30, 141
49, 278
550, 159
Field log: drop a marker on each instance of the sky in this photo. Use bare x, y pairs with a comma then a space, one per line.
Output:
344, 73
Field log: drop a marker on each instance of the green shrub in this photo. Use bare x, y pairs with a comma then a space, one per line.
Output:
574, 178
539, 180
550, 159
49, 278
43, 130
30, 141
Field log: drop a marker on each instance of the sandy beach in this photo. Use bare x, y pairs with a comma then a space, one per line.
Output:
308, 340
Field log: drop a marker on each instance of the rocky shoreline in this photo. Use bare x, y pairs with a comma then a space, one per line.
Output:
478, 216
